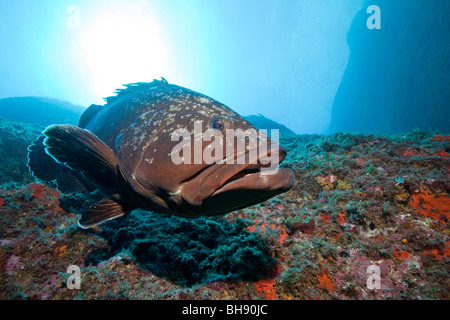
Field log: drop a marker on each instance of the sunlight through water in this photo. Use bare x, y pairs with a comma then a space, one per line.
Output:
122, 46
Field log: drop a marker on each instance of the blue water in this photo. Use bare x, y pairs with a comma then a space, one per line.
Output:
312, 65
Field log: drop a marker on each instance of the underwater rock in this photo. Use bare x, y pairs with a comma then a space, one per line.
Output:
393, 83
15, 137
261, 122
375, 206
40, 110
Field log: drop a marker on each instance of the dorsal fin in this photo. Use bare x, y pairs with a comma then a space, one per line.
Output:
135, 86
88, 114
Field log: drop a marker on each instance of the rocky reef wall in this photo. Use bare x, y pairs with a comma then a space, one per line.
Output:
398, 77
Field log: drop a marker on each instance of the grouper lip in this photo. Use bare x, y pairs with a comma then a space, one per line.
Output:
253, 178
221, 177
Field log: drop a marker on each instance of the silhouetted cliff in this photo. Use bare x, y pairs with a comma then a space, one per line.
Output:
398, 77
40, 110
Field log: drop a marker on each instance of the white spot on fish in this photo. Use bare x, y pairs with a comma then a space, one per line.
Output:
205, 113
203, 100
174, 108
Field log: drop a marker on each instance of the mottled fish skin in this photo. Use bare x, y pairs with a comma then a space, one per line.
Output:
137, 125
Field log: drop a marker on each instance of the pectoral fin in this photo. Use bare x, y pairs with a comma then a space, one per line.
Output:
45, 168
105, 210
40, 163
82, 151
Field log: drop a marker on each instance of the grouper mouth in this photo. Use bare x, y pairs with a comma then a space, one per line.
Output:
219, 178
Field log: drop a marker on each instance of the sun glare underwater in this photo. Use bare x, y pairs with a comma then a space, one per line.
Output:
118, 179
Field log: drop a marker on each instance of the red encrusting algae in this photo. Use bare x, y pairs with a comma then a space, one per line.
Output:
400, 255
432, 206
325, 282
341, 218
266, 286
326, 218
60, 251
441, 138
440, 153
283, 234
438, 254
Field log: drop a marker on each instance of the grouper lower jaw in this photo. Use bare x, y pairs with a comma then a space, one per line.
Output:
226, 199
276, 183
224, 177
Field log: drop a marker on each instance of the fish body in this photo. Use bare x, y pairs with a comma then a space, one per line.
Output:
160, 147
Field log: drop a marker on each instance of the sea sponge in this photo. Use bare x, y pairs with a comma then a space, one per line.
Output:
188, 251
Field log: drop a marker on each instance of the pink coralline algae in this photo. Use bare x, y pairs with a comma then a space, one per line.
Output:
12, 263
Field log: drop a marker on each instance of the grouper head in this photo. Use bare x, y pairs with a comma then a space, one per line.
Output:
191, 155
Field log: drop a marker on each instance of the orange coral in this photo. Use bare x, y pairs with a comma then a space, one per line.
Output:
283, 233
378, 238
414, 152
326, 218
360, 161
441, 153
266, 286
431, 206
325, 282
41, 191
439, 254
60, 251
341, 219
38, 190
400, 255
441, 138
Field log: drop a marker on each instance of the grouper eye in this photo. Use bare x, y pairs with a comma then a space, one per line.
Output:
220, 124
217, 123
